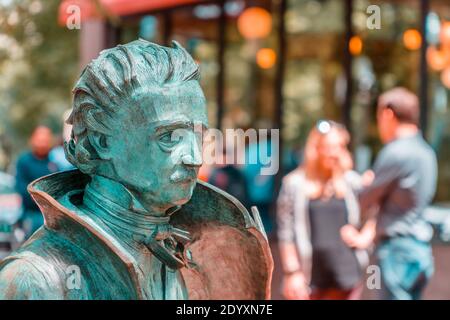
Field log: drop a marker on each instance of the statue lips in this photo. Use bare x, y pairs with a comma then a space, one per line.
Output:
187, 182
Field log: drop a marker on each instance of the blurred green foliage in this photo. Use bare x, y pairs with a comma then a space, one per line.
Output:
38, 67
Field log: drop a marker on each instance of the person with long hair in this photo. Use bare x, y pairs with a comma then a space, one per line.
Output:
316, 206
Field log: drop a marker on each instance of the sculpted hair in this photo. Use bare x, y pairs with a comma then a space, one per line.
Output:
108, 83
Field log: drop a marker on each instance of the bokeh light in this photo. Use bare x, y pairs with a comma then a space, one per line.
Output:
445, 33
412, 39
437, 59
266, 58
255, 23
445, 77
355, 45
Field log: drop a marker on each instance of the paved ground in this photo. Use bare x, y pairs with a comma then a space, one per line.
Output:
439, 287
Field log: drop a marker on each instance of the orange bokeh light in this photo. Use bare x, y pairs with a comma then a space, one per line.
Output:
255, 23
412, 39
266, 58
437, 59
445, 33
355, 45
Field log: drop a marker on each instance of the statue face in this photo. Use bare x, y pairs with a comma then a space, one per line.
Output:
155, 151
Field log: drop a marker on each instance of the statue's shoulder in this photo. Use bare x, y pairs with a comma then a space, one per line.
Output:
38, 269
27, 275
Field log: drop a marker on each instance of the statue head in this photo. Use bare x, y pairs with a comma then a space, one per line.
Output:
134, 110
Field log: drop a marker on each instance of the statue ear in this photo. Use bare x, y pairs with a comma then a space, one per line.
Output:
99, 142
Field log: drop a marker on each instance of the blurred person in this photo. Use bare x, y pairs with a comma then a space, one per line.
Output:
30, 166
316, 200
404, 184
11, 236
5, 152
260, 187
230, 178
57, 154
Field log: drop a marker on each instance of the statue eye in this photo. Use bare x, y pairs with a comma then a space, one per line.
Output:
169, 138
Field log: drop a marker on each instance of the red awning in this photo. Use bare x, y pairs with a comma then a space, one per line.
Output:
99, 8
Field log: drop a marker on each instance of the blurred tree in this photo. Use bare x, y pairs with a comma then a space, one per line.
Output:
38, 67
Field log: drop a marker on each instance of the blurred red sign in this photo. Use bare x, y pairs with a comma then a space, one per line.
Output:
99, 8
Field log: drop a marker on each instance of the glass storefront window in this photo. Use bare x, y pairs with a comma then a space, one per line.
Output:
250, 65
315, 32
388, 56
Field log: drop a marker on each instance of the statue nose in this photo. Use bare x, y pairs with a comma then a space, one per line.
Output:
190, 160
192, 152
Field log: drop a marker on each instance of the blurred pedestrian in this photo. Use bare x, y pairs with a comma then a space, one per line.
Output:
316, 200
5, 152
260, 187
30, 166
57, 154
404, 185
230, 178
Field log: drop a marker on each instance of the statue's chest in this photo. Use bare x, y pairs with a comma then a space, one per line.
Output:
159, 282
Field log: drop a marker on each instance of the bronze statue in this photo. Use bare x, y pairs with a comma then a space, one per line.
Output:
133, 222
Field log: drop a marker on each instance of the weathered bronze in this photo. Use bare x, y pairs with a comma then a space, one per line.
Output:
133, 222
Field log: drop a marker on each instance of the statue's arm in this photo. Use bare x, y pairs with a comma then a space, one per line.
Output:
22, 279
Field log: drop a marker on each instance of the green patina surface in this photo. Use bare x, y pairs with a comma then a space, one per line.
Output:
134, 111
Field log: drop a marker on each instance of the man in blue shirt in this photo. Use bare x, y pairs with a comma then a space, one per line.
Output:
32, 165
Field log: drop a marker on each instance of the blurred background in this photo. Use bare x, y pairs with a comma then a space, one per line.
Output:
281, 64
